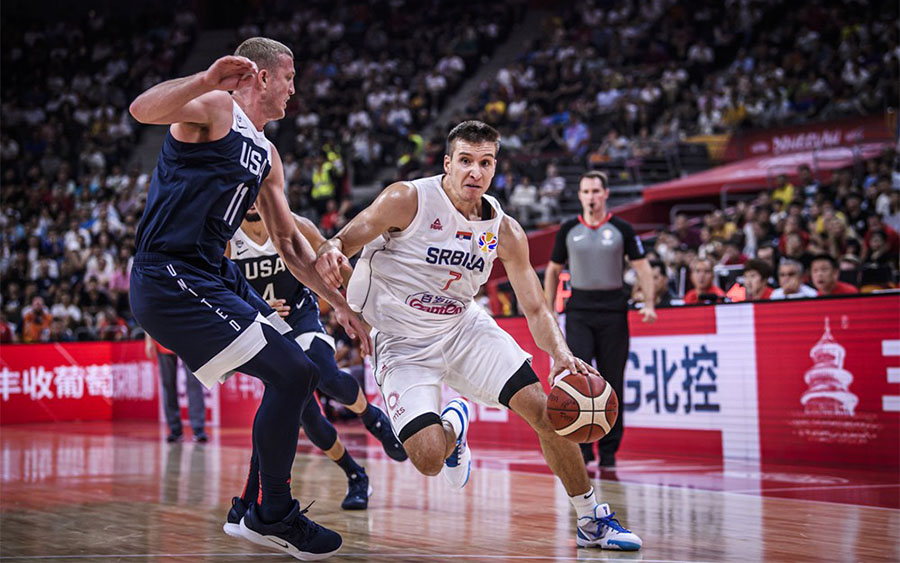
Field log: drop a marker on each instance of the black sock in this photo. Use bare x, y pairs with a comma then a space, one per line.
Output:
276, 498
370, 416
251, 487
349, 465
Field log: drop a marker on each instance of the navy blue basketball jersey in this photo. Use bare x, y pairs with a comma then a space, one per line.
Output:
268, 275
200, 192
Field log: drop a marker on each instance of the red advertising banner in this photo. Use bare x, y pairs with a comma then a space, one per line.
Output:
829, 381
829, 134
76, 381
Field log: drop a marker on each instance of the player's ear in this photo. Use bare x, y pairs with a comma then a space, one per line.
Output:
263, 77
446, 163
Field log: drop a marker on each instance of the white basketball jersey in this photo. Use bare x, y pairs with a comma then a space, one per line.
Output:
420, 281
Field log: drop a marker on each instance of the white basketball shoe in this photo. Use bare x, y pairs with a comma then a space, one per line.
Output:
458, 466
602, 530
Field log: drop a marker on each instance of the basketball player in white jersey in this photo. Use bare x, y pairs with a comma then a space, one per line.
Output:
429, 246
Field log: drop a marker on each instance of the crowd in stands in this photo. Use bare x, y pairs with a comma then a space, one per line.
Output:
602, 84
806, 238
626, 80
70, 202
370, 77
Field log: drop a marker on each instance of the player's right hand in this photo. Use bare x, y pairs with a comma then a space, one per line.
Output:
329, 265
354, 327
280, 308
230, 73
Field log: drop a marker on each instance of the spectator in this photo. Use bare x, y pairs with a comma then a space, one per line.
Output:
807, 186
36, 322
790, 280
524, 202
756, 275
704, 291
824, 272
784, 191
168, 376
7, 331
550, 190
662, 293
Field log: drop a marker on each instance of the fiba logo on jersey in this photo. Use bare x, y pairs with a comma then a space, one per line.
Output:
487, 241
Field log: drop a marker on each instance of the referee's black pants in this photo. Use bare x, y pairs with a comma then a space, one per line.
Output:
602, 336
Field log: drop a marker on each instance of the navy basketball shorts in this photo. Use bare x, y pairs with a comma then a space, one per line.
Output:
211, 320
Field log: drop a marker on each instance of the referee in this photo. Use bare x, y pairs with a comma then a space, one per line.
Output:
594, 245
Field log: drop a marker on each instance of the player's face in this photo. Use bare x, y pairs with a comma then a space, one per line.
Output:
252, 215
592, 194
279, 86
470, 169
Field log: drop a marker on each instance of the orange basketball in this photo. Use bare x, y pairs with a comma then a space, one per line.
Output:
582, 408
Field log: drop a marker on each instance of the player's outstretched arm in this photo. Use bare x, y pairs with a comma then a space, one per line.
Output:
393, 210
197, 99
513, 252
296, 251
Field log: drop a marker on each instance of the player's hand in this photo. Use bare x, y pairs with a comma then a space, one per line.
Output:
280, 308
354, 327
566, 362
648, 314
330, 264
230, 73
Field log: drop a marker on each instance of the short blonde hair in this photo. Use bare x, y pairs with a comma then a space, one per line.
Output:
263, 51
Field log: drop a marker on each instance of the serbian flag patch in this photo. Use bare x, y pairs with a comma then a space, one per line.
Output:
464, 235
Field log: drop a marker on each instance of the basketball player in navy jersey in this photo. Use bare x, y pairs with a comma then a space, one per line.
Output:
253, 252
428, 246
214, 162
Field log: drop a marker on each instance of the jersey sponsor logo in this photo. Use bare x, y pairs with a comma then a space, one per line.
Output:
264, 268
435, 304
436, 226
239, 252
446, 257
464, 235
487, 241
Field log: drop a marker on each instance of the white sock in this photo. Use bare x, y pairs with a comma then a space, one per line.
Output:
584, 504
455, 422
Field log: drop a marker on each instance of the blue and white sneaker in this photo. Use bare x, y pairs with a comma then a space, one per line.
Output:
458, 466
602, 530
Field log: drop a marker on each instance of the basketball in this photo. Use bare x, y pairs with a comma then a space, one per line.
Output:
582, 408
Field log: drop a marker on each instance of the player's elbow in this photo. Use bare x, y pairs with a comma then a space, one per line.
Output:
138, 111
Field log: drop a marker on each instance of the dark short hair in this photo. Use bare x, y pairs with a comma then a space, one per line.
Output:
474, 132
827, 257
263, 51
759, 266
591, 174
660, 265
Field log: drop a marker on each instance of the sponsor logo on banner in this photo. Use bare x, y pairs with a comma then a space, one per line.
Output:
697, 382
829, 406
435, 304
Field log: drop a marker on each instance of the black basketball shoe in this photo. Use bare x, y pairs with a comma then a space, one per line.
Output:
232, 525
295, 535
358, 492
381, 429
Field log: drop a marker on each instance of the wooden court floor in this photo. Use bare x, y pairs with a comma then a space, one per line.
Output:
116, 492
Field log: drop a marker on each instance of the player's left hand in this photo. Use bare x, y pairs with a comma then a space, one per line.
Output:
280, 307
566, 361
648, 314
354, 327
